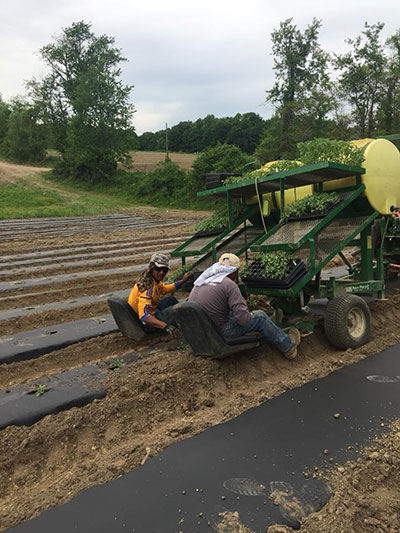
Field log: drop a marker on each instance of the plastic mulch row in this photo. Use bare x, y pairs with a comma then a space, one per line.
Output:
255, 279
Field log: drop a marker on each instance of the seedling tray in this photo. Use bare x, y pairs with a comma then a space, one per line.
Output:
312, 216
210, 233
256, 280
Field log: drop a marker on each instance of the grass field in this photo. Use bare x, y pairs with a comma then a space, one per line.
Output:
28, 191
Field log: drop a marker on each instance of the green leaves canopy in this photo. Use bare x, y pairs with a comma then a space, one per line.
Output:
85, 102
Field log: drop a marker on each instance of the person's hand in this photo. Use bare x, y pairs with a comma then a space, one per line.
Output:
186, 277
173, 332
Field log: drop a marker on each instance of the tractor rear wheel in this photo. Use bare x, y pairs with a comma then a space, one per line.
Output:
347, 322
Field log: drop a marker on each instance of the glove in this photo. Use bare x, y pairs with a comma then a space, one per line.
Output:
173, 332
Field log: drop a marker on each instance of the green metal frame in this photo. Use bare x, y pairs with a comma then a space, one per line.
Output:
262, 244
180, 251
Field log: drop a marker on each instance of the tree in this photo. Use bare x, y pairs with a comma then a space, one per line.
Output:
27, 136
301, 81
4, 119
85, 102
389, 106
361, 82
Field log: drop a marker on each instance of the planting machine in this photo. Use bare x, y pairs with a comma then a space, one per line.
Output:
366, 217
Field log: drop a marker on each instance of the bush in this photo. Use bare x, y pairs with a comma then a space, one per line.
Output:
330, 150
219, 158
27, 138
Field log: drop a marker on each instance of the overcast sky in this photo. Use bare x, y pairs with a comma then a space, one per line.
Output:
187, 59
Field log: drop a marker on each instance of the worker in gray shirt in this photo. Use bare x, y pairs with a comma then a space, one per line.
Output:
217, 291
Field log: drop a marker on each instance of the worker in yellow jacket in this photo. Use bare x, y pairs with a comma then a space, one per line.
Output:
145, 295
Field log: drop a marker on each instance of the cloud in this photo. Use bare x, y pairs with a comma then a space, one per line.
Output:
185, 59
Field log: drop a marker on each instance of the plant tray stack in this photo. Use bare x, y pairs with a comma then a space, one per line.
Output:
255, 279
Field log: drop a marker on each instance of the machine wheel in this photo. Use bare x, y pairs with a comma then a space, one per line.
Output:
347, 322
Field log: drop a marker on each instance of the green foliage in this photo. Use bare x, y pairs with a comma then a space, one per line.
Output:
116, 365
27, 137
219, 219
41, 389
243, 131
85, 102
362, 74
330, 150
219, 158
300, 91
312, 204
276, 166
178, 273
167, 185
274, 265
5, 112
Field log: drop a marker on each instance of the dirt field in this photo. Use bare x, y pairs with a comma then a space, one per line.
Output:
10, 173
168, 395
149, 160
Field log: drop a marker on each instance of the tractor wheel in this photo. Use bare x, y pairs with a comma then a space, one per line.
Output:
347, 322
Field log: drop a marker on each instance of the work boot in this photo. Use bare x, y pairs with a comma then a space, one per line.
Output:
295, 337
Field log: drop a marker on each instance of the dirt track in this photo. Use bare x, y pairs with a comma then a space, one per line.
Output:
166, 396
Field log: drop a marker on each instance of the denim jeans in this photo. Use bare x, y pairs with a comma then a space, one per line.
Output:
164, 309
261, 323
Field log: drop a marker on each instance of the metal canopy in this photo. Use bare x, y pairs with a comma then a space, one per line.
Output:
297, 177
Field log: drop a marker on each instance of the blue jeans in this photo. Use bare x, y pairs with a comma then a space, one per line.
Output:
261, 323
164, 309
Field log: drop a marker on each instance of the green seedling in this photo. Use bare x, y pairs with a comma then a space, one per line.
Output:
183, 347
116, 365
41, 389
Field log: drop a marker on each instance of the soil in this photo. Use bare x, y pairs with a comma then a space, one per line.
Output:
11, 173
147, 161
166, 395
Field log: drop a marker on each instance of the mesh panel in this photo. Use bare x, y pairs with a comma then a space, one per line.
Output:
238, 242
330, 237
292, 232
199, 243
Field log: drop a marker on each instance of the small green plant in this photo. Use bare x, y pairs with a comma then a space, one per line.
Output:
183, 346
275, 265
311, 205
219, 219
178, 273
330, 150
270, 168
41, 389
116, 365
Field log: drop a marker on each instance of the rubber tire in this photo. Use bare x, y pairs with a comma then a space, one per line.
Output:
335, 322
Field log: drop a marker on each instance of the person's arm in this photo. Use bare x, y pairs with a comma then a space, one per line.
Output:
153, 321
166, 288
237, 305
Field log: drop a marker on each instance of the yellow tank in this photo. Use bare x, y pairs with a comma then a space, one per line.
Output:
381, 179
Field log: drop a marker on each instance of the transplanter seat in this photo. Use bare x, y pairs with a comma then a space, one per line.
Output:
203, 336
126, 319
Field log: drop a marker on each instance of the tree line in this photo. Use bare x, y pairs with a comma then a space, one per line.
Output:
82, 109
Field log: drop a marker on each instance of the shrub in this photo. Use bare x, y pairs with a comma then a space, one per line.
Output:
219, 158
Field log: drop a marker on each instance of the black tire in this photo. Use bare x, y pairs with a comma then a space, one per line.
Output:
347, 322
